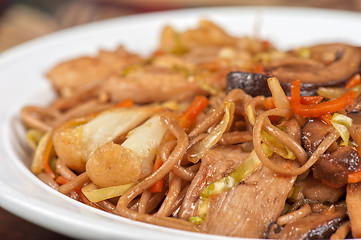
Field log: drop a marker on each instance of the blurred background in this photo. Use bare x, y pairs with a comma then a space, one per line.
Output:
23, 20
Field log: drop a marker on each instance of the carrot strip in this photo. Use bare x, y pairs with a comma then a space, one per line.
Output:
62, 180
158, 186
354, 81
269, 103
310, 100
322, 108
128, 103
258, 68
187, 119
192, 112
46, 157
326, 118
354, 177
82, 196
158, 53
306, 100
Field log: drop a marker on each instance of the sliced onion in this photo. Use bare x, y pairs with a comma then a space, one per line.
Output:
37, 163
275, 146
279, 97
250, 114
342, 123
95, 194
33, 137
216, 134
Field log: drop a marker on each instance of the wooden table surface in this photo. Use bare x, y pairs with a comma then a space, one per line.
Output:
22, 20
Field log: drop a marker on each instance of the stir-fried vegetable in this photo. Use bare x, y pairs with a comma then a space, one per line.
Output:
47, 155
275, 146
127, 103
342, 123
187, 119
94, 194
37, 163
193, 111
158, 186
215, 135
33, 137
279, 97
113, 164
250, 114
354, 177
353, 82
306, 100
321, 108
74, 145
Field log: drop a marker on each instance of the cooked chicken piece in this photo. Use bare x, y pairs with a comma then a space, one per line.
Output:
247, 209
353, 201
151, 84
69, 75
215, 163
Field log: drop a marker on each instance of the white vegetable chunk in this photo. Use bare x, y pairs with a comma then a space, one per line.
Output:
74, 145
113, 164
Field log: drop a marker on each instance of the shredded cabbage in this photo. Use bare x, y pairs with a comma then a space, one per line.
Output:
250, 114
216, 134
279, 97
33, 137
275, 146
342, 123
37, 163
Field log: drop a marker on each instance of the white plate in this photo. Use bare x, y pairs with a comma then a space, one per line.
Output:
22, 82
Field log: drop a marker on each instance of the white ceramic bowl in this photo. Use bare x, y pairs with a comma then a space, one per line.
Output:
23, 82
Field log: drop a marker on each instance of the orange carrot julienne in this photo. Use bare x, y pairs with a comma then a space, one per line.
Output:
158, 53
82, 196
354, 81
192, 112
326, 118
158, 186
310, 100
62, 180
322, 108
128, 103
269, 103
354, 177
187, 119
258, 68
307, 100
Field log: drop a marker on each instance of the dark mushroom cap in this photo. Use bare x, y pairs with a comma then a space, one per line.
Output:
329, 65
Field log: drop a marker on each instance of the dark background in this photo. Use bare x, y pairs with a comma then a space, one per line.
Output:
22, 20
